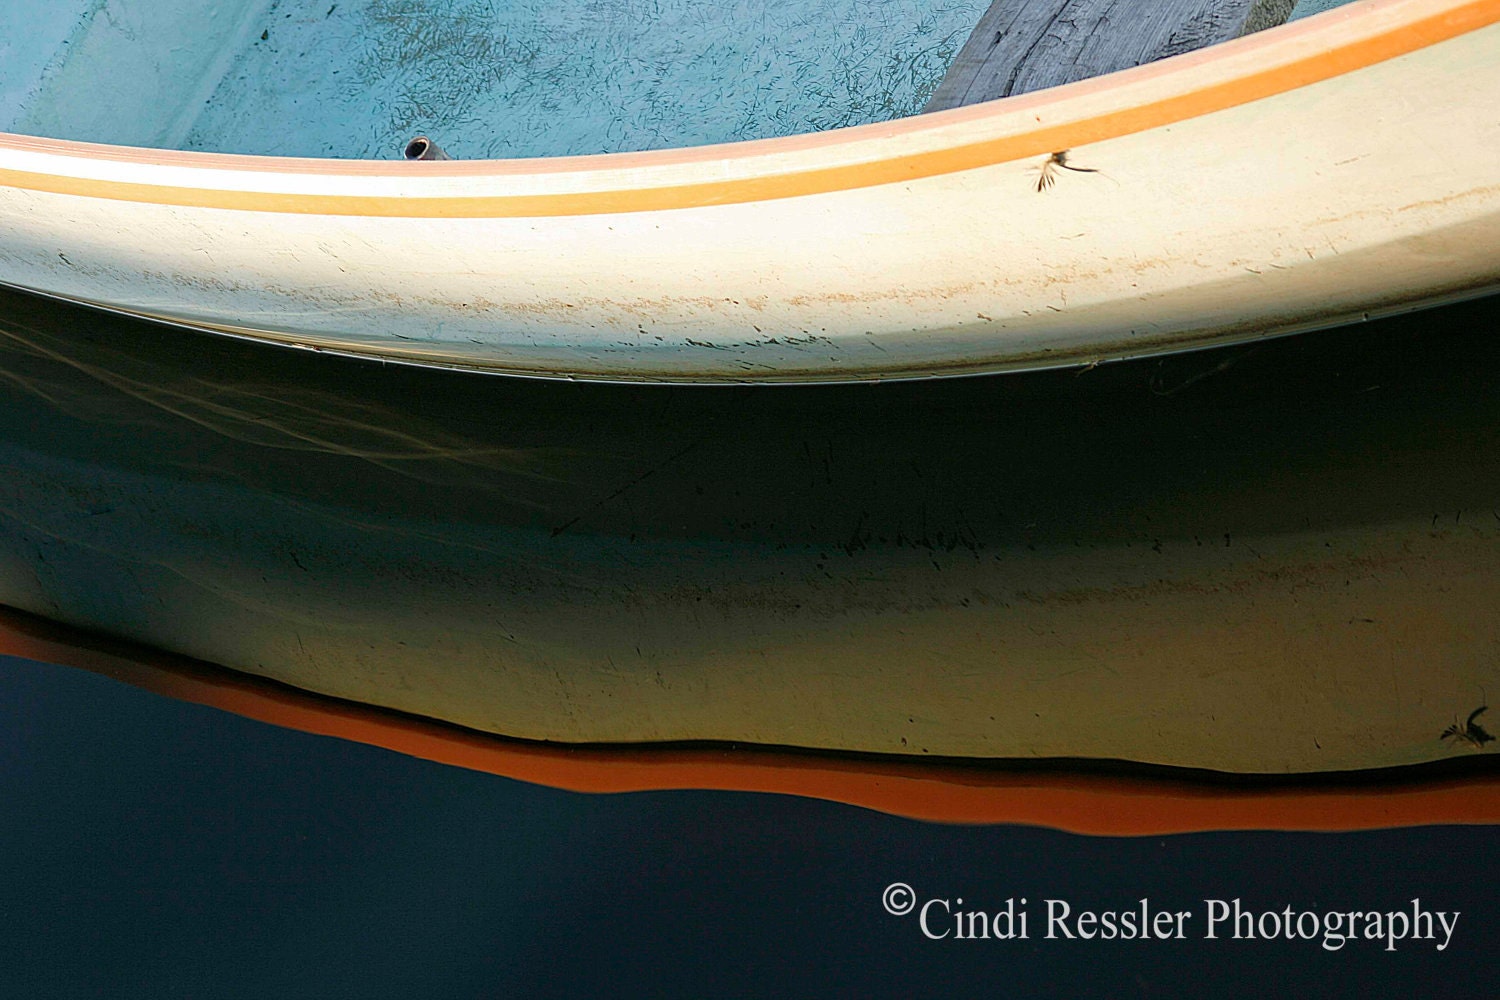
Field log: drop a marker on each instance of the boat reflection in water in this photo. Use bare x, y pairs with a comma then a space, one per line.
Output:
1273, 559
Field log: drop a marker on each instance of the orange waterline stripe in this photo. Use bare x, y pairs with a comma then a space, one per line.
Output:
1394, 42
1086, 804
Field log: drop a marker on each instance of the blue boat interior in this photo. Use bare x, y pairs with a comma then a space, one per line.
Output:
485, 78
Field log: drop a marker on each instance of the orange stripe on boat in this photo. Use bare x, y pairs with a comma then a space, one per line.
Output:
1102, 805
1397, 40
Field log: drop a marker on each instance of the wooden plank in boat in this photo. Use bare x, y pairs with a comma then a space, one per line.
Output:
1025, 45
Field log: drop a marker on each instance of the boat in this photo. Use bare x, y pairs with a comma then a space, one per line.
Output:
1277, 559
1097, 801
1274, 559
1322, 172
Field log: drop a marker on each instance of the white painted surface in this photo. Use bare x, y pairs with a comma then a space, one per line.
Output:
1318, 205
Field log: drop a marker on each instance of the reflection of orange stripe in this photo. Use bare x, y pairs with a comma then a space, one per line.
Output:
1101, 805
1398, 40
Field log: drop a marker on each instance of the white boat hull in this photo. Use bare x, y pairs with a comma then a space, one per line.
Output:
1314, 174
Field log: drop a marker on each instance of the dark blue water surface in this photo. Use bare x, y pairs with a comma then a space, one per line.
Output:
161, 849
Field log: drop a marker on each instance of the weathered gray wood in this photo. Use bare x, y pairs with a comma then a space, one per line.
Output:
1023, 45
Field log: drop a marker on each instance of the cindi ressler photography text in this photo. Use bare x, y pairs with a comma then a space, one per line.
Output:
944, 918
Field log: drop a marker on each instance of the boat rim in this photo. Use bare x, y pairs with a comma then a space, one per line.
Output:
1253, 67
1096, 798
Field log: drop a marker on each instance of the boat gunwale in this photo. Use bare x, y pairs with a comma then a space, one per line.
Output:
1096, 798
1163, 93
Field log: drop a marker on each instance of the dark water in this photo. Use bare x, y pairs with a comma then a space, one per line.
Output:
161, 849
1014, 566
155, 848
